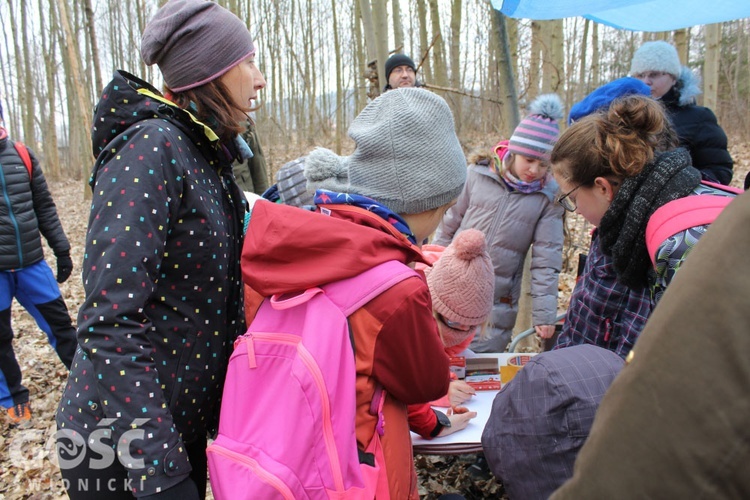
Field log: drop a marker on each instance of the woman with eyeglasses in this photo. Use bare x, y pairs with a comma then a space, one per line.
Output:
615, 169
461, 282
657, 65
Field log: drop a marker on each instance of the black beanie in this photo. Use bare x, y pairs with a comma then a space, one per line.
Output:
397, 60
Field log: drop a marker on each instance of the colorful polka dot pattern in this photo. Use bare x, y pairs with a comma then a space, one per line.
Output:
163, 297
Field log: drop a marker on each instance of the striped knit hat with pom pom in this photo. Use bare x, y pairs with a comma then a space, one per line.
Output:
535, 136
462, 284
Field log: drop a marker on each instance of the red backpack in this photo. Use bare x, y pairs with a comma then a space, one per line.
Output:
23, 152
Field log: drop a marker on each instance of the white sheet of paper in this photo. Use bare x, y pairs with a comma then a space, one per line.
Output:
480, 403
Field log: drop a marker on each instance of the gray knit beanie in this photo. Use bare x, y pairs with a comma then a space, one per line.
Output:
407, 154
656, 56
194, 42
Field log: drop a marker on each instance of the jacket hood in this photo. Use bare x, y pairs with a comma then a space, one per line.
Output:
288, 249
688, 86
127, 100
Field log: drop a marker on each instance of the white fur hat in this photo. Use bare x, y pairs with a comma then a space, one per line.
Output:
656, 56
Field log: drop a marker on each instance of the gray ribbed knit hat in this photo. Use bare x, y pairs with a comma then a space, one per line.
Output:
407, 154
194, 42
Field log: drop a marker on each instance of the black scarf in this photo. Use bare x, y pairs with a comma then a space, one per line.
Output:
622, 230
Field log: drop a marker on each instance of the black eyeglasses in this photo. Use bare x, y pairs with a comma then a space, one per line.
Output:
566, 202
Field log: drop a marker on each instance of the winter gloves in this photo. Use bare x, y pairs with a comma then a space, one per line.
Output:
64, 266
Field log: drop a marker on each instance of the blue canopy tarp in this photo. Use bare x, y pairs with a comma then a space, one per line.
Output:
637, 15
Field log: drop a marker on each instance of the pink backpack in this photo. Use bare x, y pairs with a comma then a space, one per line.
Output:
684, 213
287, 426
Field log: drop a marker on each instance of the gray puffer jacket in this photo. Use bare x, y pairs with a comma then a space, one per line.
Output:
511, 221
27, 212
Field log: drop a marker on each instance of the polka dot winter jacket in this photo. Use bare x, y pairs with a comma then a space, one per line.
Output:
161, 274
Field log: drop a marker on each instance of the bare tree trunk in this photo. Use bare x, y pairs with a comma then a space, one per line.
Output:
440, 76
583, 88
681, 43
360, 97
398, 27
29, 112
557, 55
551, 33
424, 42
49, 119
595, 58
22, 124
380, 22
339, 85
711, 66
91, 30
309, 80
371, 45
455, 60
80, 118
506, 79
535, 61
511, 26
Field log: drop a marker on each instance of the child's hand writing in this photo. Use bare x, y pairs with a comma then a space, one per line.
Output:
459, 417
459, 392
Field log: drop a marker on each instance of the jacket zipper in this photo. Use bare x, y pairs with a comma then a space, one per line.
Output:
314, 370
12, 217
256, 469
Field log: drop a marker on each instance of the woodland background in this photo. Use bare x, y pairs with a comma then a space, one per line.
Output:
320, 58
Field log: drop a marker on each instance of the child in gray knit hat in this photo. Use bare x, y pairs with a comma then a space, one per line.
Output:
407, 158
374, 207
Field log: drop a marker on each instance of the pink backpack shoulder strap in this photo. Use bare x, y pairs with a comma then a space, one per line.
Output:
681, 214
23, 152
722, 187
353, 293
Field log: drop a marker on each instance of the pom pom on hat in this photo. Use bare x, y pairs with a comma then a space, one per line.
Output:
194, 42
656, 56
602, 97
535, 136
462, 283
324, 169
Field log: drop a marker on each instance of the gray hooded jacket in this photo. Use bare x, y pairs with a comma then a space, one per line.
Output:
512, 222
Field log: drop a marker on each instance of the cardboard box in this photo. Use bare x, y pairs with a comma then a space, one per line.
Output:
483, 374
458, 366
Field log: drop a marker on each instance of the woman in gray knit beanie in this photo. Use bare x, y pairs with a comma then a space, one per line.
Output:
207, 58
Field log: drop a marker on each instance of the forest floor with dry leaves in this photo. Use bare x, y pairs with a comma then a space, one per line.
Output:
27, 465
